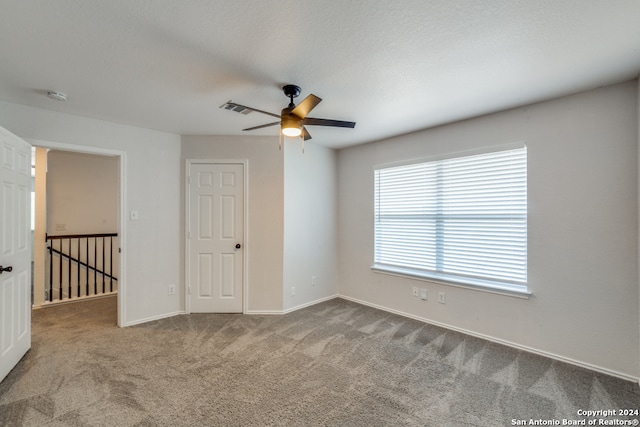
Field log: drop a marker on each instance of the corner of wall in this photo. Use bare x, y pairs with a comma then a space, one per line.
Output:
638, 211
310, 225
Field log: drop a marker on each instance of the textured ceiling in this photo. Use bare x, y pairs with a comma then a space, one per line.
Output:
391, 66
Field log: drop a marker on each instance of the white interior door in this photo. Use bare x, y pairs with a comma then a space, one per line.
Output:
215, 233
15, 255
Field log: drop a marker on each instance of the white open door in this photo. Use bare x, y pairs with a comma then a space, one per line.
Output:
215, 238
15, 255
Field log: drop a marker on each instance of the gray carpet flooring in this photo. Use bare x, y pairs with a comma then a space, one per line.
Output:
333, 364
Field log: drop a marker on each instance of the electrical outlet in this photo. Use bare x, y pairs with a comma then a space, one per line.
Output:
293, 291
423, 294
314, 281
172, 289
415, 291
441, 298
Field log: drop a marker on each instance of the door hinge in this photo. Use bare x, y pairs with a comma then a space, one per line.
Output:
189, 290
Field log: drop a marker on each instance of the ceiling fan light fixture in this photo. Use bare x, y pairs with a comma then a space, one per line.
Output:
292, 132
291, 127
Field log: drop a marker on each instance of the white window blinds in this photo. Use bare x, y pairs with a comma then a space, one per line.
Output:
460, 219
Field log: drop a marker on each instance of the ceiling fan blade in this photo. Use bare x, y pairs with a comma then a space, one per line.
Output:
305, 107
262, 126
305, 134
328, 122
232, 106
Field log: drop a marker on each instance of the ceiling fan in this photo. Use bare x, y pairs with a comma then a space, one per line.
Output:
293, 119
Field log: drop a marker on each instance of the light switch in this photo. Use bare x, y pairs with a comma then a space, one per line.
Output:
134, 215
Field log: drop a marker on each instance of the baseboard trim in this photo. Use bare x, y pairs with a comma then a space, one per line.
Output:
292, 309
309, 304
152, 318
267, 312
498, 341
48, 304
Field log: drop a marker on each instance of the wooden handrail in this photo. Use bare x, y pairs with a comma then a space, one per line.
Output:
77, 236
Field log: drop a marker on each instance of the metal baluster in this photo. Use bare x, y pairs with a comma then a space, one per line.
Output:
60, 271
77, 260
87, 269
69, 269
111, 264
78, 265
103, 268
50, 271
95, 265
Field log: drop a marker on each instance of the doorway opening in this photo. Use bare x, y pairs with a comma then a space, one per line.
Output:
77, 225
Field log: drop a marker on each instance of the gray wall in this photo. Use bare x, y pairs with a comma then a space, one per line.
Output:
583, 222
82, 193
310, 223
582, 229
152, 187
292, 213
264, 240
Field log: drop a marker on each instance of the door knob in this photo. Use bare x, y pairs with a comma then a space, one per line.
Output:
7, 269
238, 245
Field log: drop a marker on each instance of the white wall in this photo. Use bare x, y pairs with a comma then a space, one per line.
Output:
152, 187
264, 240
310, 223
292, 211
82, 193
582, 228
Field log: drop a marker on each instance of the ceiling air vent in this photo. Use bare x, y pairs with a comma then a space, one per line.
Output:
235, 107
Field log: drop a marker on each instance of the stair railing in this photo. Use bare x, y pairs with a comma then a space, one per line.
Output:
81, 265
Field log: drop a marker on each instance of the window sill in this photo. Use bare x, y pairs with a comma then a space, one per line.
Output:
459, 282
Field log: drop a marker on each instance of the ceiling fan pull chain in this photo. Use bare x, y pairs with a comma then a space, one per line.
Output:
302, 145
280, 141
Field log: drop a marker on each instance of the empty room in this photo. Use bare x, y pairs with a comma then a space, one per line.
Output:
443, 231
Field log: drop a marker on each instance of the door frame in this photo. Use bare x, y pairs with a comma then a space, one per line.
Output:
187, 215
122, 207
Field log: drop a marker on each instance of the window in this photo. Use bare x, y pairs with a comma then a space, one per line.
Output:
460, 220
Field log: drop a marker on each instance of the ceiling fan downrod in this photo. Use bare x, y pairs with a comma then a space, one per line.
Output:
291, 91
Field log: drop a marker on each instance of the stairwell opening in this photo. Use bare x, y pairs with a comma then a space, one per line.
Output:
75, 222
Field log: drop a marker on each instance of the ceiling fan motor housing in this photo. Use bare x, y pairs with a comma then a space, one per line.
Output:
289, 120
291, 91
